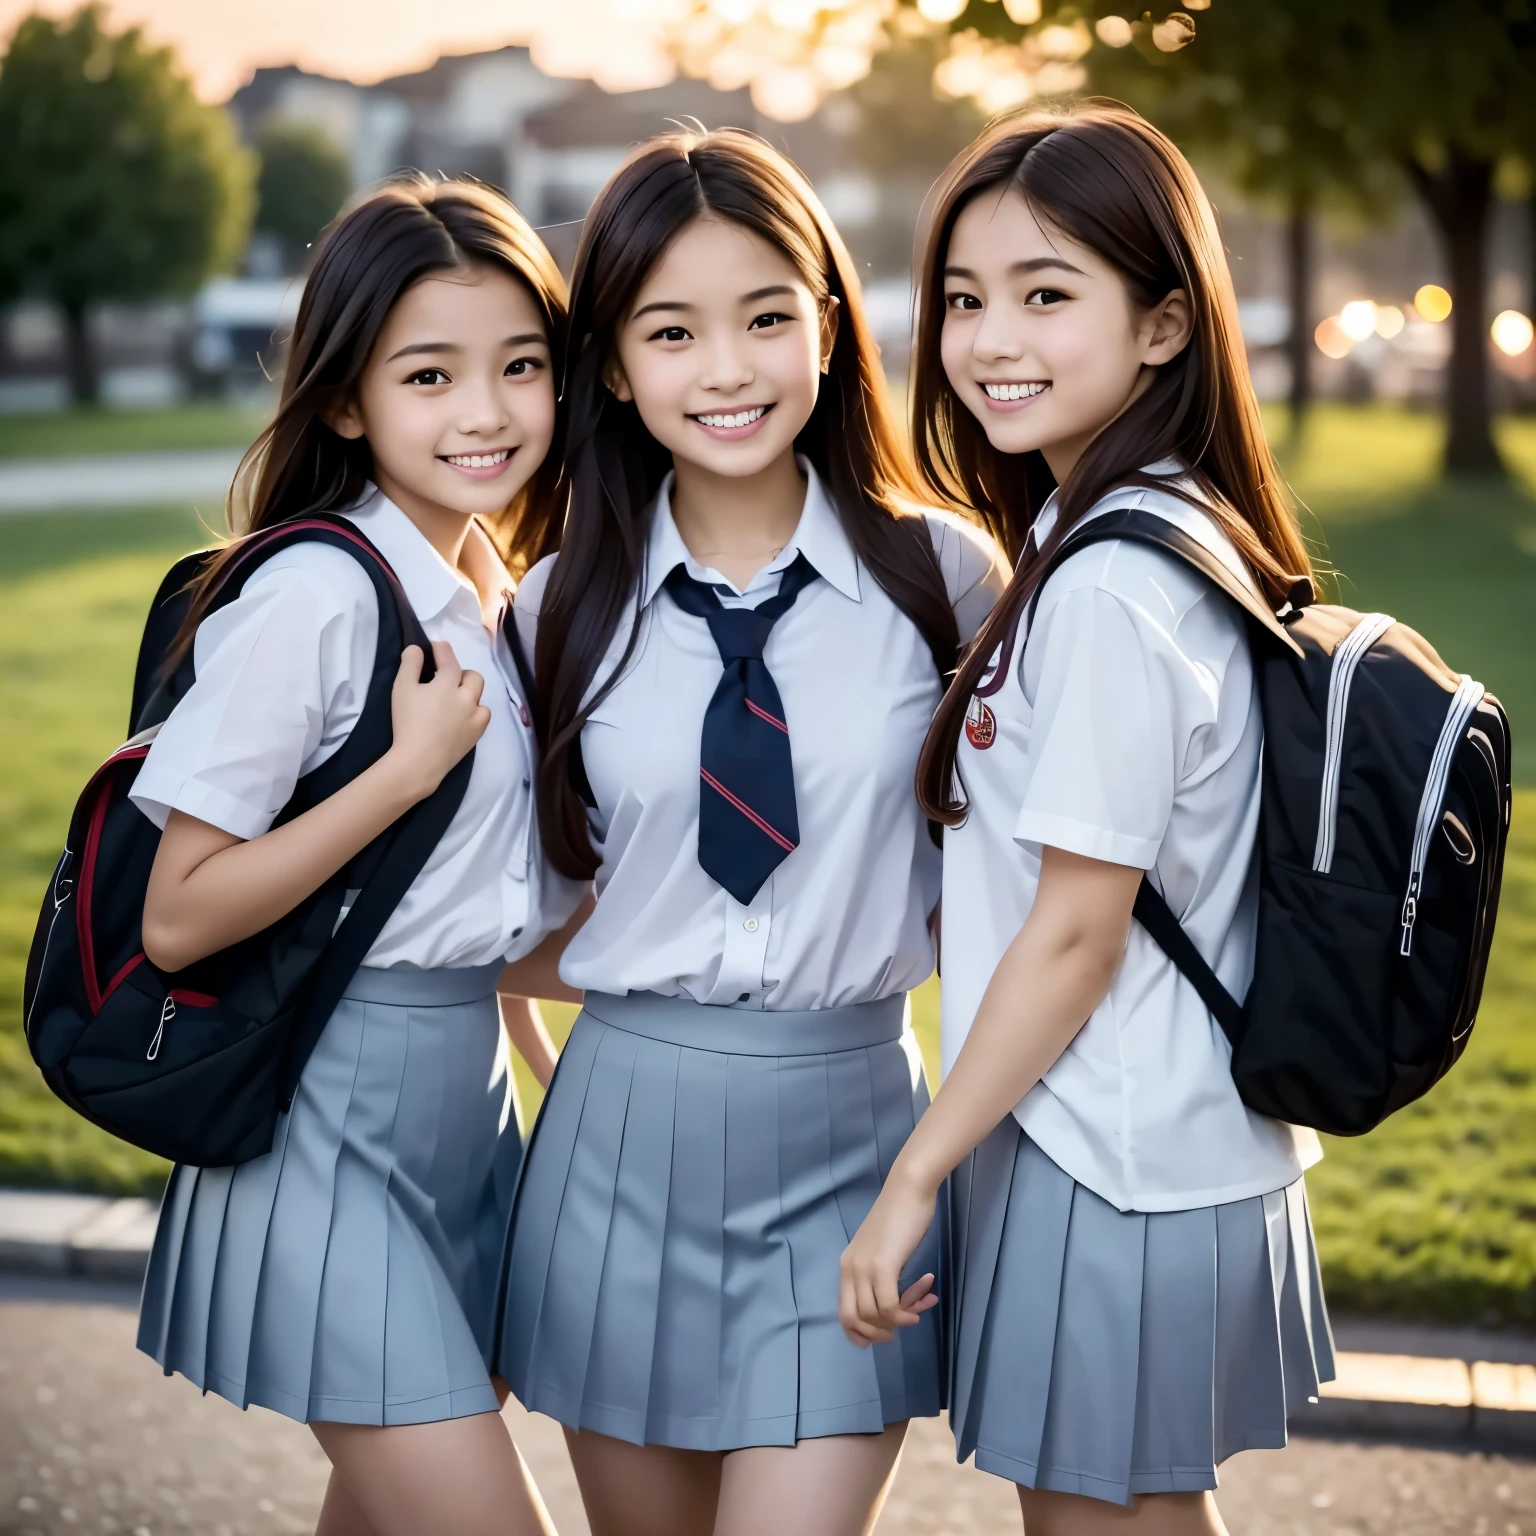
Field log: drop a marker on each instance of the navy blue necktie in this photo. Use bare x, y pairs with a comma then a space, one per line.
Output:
747, 819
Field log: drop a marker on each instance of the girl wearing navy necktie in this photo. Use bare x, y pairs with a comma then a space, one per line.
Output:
738, 650
1135, 1292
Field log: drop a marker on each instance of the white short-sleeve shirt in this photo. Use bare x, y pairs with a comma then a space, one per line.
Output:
1128, 729
281, 676
844, 918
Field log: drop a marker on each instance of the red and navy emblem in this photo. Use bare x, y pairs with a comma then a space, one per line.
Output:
980, 725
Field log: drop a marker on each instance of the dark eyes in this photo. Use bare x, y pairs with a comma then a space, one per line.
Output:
767, 321
519, 367
963, 301
671, 333
761, 322
1042, 296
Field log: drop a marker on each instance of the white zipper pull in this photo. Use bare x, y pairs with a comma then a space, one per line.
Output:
1410, 913
167, 1012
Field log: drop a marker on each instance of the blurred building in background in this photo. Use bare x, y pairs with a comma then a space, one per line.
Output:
552, 142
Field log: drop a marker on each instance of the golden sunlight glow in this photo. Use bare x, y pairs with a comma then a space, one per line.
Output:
1114, 31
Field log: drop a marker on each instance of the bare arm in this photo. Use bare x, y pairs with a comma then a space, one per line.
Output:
209, 889
537, 974
1049, 981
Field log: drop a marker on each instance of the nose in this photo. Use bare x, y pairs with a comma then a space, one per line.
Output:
999, 337
482, 407
726, 368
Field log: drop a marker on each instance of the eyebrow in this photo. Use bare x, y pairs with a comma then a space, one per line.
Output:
772, 291
529, 338
1021, 268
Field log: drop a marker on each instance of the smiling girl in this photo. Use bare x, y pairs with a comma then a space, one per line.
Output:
1136, 1290
346, 1277
738, 650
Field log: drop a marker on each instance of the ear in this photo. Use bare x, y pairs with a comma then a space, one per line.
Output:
617, 380
344, 420
1166, 329
830, 316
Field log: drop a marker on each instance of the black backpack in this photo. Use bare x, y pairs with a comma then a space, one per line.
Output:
197, 1066
1384, 815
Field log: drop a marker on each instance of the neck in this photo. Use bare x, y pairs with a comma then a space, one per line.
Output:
448, 532
1062, 457
737, 524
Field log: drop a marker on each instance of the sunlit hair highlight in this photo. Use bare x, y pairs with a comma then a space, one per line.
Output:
1109, 180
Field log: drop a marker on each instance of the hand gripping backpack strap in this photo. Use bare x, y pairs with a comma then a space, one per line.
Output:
1151, 910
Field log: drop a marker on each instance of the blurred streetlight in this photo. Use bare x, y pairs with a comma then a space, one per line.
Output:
1358, 319
1432, 302
940, 10
1512, 332
1390, 321
1333, 340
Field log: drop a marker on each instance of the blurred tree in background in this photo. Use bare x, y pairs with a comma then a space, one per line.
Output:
1311, 102
304, 180
116, 182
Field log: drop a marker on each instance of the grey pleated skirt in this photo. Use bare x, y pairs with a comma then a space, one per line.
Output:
672, 1267
1113, 1353
349, 1274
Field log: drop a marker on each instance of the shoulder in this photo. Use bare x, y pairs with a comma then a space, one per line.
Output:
313, 573
973, 566
1154, 583
530, 590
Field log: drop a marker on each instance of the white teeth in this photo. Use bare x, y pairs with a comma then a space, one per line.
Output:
1013, 391
739, 419
479, 460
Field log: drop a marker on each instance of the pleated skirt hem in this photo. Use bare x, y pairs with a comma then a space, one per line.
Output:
1110, 1353
672, 1268
348, 1275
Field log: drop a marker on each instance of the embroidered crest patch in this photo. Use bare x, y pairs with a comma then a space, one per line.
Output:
980, 725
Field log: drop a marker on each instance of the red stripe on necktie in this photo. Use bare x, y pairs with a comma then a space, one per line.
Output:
746, 810
762, 714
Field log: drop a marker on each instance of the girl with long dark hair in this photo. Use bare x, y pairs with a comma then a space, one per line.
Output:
1136, 1292
738, 649
346, 1278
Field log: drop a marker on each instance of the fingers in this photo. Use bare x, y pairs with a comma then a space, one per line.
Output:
472, 685
447, 663
411, 662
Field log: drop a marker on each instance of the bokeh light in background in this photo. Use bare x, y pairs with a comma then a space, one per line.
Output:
1332, 339
1358, 319
1512, 332
1432, 302
1390, 321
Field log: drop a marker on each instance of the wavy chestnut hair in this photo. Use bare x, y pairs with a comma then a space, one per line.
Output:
366, 259
1107, 179
615, 468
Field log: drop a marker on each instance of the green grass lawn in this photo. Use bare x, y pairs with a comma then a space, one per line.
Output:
1433, 1215
202, 424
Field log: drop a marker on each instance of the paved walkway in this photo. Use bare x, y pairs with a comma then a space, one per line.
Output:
93, 1438
199, 475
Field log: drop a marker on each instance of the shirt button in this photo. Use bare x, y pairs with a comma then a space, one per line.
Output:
750, 925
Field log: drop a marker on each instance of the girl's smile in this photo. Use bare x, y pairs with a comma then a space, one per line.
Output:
1012, 395
732, 426
483, 465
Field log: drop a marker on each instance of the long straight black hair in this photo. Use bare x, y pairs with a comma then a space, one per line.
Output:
1112, 182
366, 259
614, 467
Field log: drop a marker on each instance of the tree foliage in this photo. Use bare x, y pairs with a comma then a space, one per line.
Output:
304, 180
116, 182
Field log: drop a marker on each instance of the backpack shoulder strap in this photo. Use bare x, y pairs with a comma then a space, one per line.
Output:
1151, 910
1142, 527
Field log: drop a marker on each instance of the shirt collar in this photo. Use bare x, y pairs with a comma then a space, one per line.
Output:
819, 536
430, 583
1045, 522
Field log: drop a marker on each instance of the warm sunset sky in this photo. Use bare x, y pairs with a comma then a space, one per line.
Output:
221, 41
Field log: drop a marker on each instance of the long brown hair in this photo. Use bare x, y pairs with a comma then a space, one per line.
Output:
366, 259
1109, 180
615, 468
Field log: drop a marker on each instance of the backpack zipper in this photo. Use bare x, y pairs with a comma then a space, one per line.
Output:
1347, 656
1468, 696
58, 884
167, 1012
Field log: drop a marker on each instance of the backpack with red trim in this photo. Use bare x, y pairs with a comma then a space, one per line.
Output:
198, 1066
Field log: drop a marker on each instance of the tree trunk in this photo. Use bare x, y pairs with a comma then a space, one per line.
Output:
1460, 199
1298, 253
80, 356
